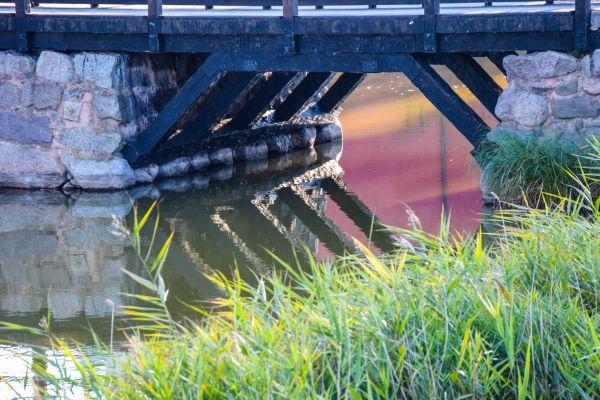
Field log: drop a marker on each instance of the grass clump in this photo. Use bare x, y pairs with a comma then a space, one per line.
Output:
520, 169
449, 319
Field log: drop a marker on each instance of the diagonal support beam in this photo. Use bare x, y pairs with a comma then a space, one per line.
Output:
497, 59
339, 91
296, 101
257, 106
360, 214
441, 95
213, 107
166, 119
479, 82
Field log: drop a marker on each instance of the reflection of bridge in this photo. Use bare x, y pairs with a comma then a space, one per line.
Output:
251, 49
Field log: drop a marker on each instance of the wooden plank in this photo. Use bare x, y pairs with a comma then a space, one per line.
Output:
431, 9
22, 8
359, 213
296, 101
162, 124
441, 95
212, 108
259, 103
339, 91
582, 23
475, 78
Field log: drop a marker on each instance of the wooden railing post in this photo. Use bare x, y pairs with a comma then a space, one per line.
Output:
290, 12
582, 24
154, 13
431, 9
22, 8
290, 8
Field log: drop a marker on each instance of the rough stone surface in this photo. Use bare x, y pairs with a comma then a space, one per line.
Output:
108, 106
10, 95
304, 138
329, 133
42, 95
100, 174
279, 144
104, 70
567, 89
71, 110
89, 140
575, 107
595, 63
591, 85
55, 66
177, 167
146, 174
548, 64
221, 157
199, 162
523, 108
26, 130
253, 151
29, 167
12, 64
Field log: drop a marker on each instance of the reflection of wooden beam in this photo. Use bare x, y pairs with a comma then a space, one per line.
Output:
339, 91
163, 124
359, 213
322, 227
257, 106
212, 109
296, 101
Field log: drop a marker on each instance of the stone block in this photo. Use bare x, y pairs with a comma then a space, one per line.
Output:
177, 167
55, 67
12, 64
221, 157
87, 139
10, 95
595, 63
329, 133
41, 95
199, 162
544, 65
590, 85
146, 174
108, 106
26, 130
104, 70
100, 174
575, 107
521, 107
26, 167
249, 152
304, 138
279, 144
567, 89
72, 110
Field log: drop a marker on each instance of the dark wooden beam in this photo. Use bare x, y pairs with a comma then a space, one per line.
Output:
441, 95
339, 91
475, 78
431, 9
259, 103
154, 14
313, 221
497, 58
212, 108
296, 101
582, 23
163, 123
359, 213
22, 8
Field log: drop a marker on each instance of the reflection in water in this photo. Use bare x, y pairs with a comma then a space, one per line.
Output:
64, 255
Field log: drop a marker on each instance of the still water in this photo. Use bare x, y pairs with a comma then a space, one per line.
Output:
64, 255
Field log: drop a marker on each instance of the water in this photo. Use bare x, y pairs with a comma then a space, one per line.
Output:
64, 256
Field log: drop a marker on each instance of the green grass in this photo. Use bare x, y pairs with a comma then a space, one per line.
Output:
521, 169
450, 319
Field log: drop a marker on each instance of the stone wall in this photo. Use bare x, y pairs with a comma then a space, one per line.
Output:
551, 94
64, 119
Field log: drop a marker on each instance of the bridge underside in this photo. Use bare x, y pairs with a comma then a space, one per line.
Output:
230, 93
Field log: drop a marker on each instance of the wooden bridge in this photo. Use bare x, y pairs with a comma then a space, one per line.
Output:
259, 47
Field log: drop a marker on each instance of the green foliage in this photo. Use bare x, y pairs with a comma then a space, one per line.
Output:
522, 169
451, 318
